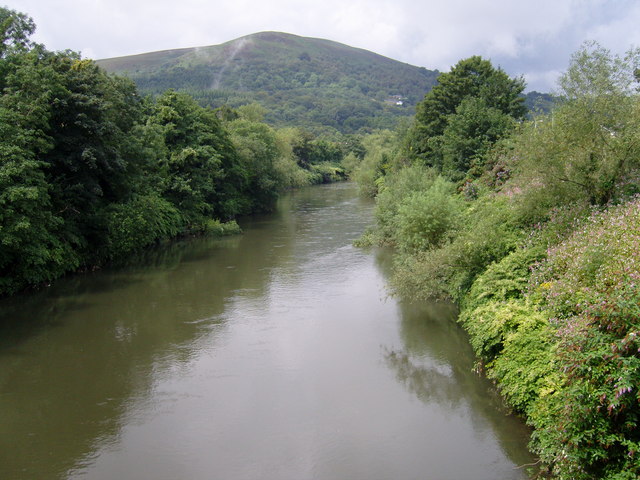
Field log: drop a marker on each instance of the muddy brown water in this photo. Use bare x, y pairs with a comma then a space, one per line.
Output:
276, 354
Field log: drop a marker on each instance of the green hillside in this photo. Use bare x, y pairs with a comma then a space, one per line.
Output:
302, 81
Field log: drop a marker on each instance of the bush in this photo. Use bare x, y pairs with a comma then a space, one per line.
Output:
327, 173
505, 280
427, 219
139, 223
217, 228
526, 368
590, 283
490, 232
396, 189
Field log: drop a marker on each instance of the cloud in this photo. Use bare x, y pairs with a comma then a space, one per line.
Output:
534, 39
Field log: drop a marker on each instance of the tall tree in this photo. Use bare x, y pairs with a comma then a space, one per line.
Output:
15, 31
31, 251
587, 150
470, 78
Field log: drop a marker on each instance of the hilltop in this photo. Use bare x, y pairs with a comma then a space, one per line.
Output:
309, 82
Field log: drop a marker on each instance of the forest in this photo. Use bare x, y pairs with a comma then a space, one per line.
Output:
92, 171
532, 228
320, 85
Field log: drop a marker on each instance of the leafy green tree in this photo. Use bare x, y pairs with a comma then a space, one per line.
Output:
258, 153
15, 30
595, 72
380, 151
470, 78
31, 251
199, 159
588, 149
428, 218
469, 135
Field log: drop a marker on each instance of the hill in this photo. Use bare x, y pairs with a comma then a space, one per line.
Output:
302, 81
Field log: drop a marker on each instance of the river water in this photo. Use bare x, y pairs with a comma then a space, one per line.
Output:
276, 354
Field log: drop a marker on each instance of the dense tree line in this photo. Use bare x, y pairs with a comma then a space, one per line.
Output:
531, 227
90, 171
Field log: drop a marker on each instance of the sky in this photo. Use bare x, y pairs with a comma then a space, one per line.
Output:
534, 39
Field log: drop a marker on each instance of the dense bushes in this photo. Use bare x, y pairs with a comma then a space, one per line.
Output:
539, 245
589, 287
141, 222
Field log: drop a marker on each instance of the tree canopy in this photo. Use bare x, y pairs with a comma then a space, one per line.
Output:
472, 90
90, 171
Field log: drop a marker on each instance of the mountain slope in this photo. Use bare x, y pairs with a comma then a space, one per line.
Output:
302, 81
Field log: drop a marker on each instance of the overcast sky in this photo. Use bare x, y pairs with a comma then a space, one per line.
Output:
533, 38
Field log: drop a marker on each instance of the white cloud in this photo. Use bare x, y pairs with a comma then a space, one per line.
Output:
532, 38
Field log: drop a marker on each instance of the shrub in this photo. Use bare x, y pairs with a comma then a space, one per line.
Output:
139, 223
397, 188
217, 228
427, 219
590, 283
489, 233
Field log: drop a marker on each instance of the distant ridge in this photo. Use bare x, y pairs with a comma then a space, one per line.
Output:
310, 82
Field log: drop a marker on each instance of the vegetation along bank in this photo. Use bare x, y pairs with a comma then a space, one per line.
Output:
92, 171
530, 223
533, 228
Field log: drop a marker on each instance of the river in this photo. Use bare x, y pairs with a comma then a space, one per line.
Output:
275, 354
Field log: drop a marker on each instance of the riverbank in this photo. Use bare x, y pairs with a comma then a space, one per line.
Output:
534, 235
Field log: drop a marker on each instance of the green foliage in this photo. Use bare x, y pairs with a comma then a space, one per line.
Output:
490, 231
545, 266
257, 149
526, 368
316, 84
202, 174
588, 149
586, 152
15, 30
32, 251
506, 279
216, 228
327, 173
141, 222
428, 219
380, 150
396, 190
470, 108
595, 72
590, 284
509, 333
91, 172
469, 135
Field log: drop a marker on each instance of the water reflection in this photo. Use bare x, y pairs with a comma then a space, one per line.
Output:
78, 361
436, 364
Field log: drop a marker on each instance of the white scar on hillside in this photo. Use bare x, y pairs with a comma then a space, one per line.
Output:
233, 49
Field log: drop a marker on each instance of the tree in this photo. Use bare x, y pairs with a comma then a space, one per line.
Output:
91, 119
470, 78
202, 175
15, 30
588, 149
31, 248
595, 72
469, 135
258, 152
